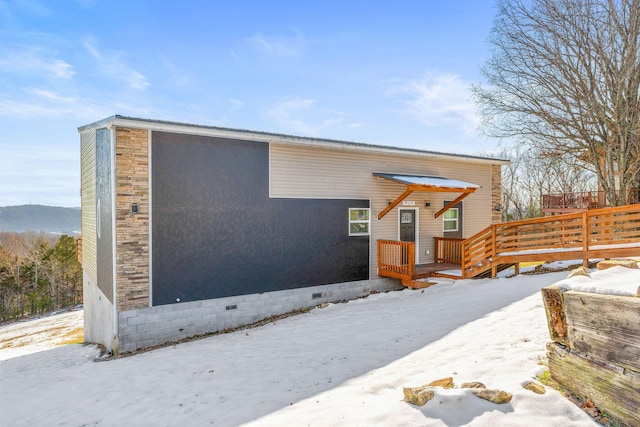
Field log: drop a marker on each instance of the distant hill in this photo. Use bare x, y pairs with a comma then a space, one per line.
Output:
48, 219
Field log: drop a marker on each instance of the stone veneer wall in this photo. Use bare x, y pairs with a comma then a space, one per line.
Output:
496, 193
132, 229
152, 326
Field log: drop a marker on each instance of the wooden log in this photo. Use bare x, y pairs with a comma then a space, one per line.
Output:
604, 327
612, 390
556, 315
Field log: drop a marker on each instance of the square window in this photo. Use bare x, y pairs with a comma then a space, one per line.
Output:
359, 221
450, 220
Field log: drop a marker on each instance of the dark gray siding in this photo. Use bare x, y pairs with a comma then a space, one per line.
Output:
216, 232
104, 195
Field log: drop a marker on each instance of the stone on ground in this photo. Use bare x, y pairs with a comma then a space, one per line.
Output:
418, 395
495, 396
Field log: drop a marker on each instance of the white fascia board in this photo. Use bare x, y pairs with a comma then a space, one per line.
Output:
248, 135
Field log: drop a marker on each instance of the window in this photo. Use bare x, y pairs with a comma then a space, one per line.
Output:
359, 221
450, 220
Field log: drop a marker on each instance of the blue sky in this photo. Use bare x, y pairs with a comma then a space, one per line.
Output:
380, 72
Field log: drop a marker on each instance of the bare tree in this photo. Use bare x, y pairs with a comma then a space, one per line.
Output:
532, 174
564, 78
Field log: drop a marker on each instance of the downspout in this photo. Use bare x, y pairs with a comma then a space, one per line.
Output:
150, 189
116, 320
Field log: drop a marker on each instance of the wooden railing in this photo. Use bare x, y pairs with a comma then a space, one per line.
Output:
613, 227
477, 251
598, 233
579, 200
396, 259
585, 200
448, 250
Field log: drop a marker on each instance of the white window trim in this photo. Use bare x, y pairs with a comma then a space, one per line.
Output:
360, 221
457, 221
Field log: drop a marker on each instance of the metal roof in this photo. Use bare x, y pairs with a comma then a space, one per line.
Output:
431, 181
169, 126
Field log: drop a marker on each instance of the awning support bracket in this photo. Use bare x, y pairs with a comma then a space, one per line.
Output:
396, 202
451, 204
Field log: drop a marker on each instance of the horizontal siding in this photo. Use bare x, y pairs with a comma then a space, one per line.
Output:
309, 172
88, 203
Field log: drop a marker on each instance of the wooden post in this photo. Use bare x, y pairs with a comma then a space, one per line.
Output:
585, 239
556, 314
605, 327
494, 263
610, 389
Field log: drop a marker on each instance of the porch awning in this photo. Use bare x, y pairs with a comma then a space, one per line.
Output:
428, 184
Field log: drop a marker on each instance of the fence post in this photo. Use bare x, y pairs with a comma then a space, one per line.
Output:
494, 264
585, 238
412, 259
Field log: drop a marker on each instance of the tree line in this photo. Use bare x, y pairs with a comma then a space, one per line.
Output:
532, 174
39, 273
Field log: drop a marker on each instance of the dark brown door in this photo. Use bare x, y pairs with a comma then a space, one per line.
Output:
407, 230
407, 225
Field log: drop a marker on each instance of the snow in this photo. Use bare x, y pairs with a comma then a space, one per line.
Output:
345, 364
578, 247
20, 338
433, 181
613, 281
541, 251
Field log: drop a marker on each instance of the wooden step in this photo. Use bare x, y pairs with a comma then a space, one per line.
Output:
416, 284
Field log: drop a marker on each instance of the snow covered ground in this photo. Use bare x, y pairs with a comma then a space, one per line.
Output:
345, 364
20, 338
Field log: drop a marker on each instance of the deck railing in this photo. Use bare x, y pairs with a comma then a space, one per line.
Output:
597, 233
396, 259
584, 200
477, 250
448, 250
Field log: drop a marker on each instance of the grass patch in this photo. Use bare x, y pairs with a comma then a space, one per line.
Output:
74, 336
531, 264
545, 378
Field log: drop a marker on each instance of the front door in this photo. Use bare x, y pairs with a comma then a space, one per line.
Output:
407, 229
407, 225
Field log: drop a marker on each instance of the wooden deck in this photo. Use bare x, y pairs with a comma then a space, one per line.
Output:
596, 233
559, 203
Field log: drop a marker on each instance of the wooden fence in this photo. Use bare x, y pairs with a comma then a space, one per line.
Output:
396, 259
448, 250
597, 233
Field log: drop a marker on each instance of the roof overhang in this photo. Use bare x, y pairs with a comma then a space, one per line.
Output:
427, 184
249, 135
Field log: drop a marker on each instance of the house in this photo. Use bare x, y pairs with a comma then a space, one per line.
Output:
190, 229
